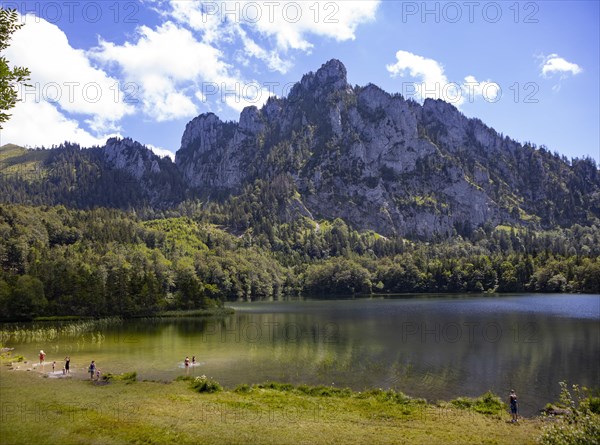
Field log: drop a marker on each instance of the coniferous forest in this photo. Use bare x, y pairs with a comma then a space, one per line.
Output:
117, 230
60, 261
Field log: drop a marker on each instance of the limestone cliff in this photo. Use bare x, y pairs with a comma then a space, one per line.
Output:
379, 161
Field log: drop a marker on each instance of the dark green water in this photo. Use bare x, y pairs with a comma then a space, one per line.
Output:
433, 347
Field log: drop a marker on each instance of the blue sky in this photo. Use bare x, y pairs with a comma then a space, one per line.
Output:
143, 69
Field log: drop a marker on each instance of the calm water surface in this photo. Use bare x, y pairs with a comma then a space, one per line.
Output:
432, 347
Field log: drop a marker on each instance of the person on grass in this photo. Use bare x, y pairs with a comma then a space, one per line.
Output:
514, 407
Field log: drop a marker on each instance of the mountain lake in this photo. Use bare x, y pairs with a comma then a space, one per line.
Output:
436, 346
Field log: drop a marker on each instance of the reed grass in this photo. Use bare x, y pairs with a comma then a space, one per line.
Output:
89, 330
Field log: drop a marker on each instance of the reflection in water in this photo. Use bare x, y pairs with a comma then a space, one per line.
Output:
437, 348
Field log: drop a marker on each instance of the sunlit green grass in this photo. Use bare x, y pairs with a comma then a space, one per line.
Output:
47, 411
18, 161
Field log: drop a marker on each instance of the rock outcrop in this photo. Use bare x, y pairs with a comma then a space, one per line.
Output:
330, 150
131, 156
376, 160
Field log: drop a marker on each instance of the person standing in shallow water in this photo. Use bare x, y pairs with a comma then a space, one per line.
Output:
92, 369
67, 364
514, 407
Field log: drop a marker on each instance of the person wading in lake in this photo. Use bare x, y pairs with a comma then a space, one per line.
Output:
42, 356
514, 407
67, 364
92, 369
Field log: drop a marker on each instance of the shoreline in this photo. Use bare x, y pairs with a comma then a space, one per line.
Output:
81, 375
210, 312
228, 310
122, 410
44, 407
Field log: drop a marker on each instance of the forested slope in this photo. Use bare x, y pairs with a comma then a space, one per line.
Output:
56, 261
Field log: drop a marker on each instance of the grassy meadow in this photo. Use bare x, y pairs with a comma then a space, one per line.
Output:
41, 410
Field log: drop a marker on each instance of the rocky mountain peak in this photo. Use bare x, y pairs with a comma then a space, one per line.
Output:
250, 120
332, 76
333, 72
131, 156
376, 160
200, 125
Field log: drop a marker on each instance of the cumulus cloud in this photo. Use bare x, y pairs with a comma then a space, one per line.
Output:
170, 70
161, 152
171, 67
64, 85
41, 124
487, 89
184, 60
431, 81
428, 70
158, 62
271, 58
65, 76
289, 24
554, 64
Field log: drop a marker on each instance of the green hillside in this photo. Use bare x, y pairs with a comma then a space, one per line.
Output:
22, 164
56, 261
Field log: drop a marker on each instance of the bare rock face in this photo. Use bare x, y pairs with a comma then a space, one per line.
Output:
155, 179
374, 159
131, 156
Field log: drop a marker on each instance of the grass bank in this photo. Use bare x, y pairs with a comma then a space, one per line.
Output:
210, 312
45, 411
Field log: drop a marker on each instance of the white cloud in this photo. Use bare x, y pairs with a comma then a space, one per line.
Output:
63, 83
160, 62
432, 82
65, 77
168, 71
35, 124
180, 62
161, 152
288, 23
256, 97
171, 67
554, 64
271, 58
486, 89
190, 12
429, 71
